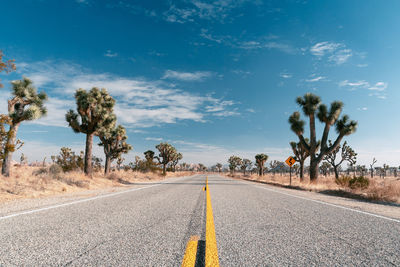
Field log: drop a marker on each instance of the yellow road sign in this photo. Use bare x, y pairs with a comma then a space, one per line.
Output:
290, 161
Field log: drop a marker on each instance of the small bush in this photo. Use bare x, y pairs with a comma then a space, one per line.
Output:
343, 180
40, 171
55, 169
360, 182
113, 176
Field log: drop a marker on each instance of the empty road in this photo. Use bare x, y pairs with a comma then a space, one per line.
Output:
151, 224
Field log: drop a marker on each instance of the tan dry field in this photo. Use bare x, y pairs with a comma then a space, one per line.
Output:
29, 182
386, 190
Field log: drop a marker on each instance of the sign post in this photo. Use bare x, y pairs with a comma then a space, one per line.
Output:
290, 161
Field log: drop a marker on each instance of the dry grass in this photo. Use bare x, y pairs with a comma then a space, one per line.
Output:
380, 189
34, 182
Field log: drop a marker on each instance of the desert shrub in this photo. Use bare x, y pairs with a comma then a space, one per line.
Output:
55, 169
78, 183
360, 182
40, 171
68, 160
343, 180
113, 176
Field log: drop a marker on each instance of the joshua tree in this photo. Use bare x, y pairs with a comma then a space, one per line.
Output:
167, 152
114, 143
95, 112
274, 165
347, 154
23, 159
219, 167
120, 160
6, 66
372, 167
310, 104
149, 156
260, 161
300, 154
176, 157
25, 105
325, 166
234, 162
246, 164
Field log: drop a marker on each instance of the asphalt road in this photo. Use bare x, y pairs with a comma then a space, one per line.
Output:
150, 225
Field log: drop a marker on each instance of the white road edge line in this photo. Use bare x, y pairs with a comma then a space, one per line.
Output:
78, 201
324, 203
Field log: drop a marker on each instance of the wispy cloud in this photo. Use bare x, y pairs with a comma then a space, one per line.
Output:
315, 79
286, 75
336, 52
140, 102
110, 53
378, 88
187, 76
251, 45
158, 139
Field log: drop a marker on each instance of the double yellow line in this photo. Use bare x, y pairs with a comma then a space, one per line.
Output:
211, 259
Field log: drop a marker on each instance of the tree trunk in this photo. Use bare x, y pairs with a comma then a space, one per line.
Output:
336, 172
314, 170
88, 154
6, 166
260, 172
164, 169
107, 165
301, 171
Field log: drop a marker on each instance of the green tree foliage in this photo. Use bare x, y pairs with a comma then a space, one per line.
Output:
260, 161
246, 164
325, 166
166, 155
94, 112
176, 157
113, 140
347, 153
150, 165
312, 107
5, 122
300, 154
68, 160
234, 163
25, 105
6, 65
218, 166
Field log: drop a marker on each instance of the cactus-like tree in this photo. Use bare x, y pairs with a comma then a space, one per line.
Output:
234, 163
219, 167
176, 157
347, 154
6, 65
325, 166
113, 140
25, 105
165, 156
246, 164
94, 112
260, 161
312, 107
301, 155
5, 122
372, 167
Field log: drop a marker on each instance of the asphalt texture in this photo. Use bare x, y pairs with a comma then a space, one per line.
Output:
150, 227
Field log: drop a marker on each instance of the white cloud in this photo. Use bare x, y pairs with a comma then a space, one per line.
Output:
251, 45
362, 109
316, 79
354, 85
187, 76
286, 75
158, 139
362, 65
336, 52
379, 86
322, 48
140, 103
110, 53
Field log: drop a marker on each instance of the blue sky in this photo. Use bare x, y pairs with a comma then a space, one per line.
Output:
214, 78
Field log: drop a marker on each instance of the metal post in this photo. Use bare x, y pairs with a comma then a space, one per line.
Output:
290, 168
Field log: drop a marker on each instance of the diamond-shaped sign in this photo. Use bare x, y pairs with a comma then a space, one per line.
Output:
290, 161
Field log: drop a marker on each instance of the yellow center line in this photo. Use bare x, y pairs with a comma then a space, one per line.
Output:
189, 260
211, 241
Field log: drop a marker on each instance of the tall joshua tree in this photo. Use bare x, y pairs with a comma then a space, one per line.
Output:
246, 164
167, 152
114, 143
260, 161
347, 153
300, 154
25, 105
219, 167
234, 162
94, 112
312, 107
175, 159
